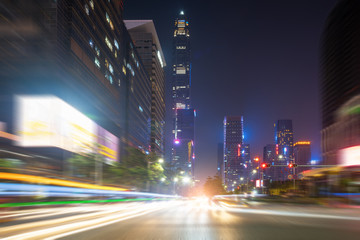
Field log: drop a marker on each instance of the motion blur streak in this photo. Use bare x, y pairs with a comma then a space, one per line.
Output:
287, 213
107, 209
85, 225
51, 181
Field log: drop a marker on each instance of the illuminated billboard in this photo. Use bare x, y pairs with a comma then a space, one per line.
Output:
350, 156
47, 121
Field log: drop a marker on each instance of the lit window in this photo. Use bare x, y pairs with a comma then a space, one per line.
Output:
116, 44
160, 59
87, 9
109, 21
97, 63
115, 53
109, 77
141, 109
124, 70
108, 43
91, 2
180, 70
97, 50
181, 31
119, 82
111, 69
106, 63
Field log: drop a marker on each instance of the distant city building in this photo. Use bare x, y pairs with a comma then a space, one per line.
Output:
284, 147
147, 44
270, 156
302, 152
183, 114
246, 159
340, 85
302, 155
234, 167
220, 160
52, 48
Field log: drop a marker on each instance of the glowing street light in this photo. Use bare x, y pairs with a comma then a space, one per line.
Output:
162, 179
176, 179
241, 178
161, 160
186, 180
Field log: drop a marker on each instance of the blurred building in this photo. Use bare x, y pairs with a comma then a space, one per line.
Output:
246, 159
270, 156
283, 148
234, 167
220, 159
302, 152
81, 52
181, 84
340, 84
147, 44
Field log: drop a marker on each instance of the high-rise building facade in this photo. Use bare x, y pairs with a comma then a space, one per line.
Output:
246, 159
340, 84
183, 114
147, 44
284, 147
234, 167
270, 156
80, 52
284, 138
220, 160
302, 155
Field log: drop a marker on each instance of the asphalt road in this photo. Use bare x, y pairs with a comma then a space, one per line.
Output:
189, 220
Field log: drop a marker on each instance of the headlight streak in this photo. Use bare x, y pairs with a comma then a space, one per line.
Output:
47, 189
288, 214
104, 210
87, 225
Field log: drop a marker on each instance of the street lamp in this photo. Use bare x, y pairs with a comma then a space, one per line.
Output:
175, 181
161, 160
186, 180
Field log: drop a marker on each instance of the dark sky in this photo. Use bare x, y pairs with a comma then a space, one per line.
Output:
256, 58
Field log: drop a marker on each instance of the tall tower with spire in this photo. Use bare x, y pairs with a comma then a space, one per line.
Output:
183, 155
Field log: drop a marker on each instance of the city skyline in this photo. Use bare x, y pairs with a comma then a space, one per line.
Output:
255, 55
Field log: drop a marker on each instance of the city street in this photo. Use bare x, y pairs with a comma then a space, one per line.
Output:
191, 219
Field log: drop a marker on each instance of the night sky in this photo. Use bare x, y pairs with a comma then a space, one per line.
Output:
256, 58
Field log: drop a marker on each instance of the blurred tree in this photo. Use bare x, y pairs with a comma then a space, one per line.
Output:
213, 186
82, 165
7, 165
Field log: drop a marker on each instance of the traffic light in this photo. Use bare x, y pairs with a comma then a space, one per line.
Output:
256, 159
292, 165
265, 165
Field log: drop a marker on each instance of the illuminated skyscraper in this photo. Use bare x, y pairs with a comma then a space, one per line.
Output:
183, 113
234, 166
284, 147
147, 44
